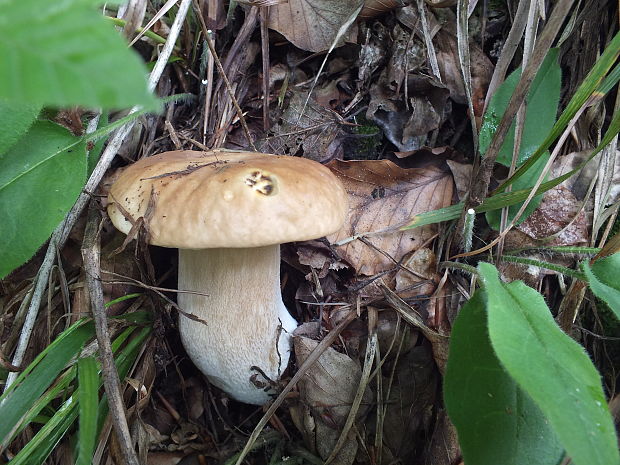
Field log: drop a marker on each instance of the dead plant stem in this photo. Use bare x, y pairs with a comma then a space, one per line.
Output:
91, 256
220, 69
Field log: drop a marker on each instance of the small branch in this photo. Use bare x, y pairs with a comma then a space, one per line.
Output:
91, 256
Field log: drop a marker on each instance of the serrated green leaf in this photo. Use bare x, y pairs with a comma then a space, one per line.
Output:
542, 107
604, 282
497, 422
15, 119
551, 368
88, 388
40, 178
63, 53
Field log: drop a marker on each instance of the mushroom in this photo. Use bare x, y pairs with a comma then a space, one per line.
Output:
228, 212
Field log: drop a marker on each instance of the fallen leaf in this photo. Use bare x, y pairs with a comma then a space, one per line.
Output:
304, 128
462, 177
383, 196
558, 213
327, 390
407, 125
418, 275
311, 24
374, 8
448, 61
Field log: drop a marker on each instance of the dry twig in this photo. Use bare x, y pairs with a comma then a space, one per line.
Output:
91, 256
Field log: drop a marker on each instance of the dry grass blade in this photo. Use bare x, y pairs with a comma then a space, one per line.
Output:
462, 33
162, 11
480, 187
314, 356
371, 350
508, 50
91, 256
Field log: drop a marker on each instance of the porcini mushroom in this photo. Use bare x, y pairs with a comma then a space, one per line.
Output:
228, 212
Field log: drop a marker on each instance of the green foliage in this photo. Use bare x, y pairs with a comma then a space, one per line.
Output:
88, 388
15, 119
542, 108
603, 280
43, 383
496, 420
40, 178
63, 54
16, 402
506, 345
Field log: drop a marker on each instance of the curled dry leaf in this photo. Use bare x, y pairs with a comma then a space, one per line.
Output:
407, 125
383, 197
448, 61
327, 390
311, 24
374, 8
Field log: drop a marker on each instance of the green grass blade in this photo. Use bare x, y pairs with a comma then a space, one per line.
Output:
42, 444
506, 199
15, 403
88, 388
590, 84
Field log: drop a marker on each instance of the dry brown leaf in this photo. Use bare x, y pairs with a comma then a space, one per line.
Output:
306, 129
558, 213
382, 195
374, 8
311, 24
407, 125
481, 70
327, 390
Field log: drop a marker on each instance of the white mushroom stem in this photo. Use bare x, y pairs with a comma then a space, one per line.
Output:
247, 323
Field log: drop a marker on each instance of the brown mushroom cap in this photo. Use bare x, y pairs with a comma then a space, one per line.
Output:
222, 198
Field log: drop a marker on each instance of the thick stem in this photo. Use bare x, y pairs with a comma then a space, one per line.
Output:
245, 322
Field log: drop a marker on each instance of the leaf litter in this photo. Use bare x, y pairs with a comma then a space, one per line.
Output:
378, 84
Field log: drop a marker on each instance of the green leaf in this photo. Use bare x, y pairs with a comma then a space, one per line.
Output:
41, 445
15, 119
541, 112
40, 374
551, 368
63, 53
604, 282
40, 178
89, 382
542, 108
524, 183
497, 422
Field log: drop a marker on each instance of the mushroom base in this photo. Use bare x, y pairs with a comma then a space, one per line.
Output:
245, 321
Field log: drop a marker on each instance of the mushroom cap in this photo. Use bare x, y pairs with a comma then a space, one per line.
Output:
221, 198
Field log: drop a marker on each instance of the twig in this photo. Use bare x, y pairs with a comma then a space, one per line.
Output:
313, 357
61, 233
218, 63
91, 256
264, 42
